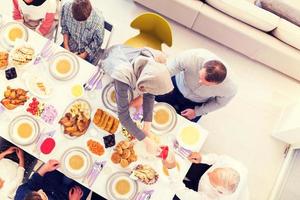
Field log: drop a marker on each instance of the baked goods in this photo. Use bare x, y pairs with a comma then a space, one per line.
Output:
22, 55
3, 60
77, 119
95, 147
106, 121
14, 98
124, 154
145, 174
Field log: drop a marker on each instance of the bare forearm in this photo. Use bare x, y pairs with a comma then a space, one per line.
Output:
66, 41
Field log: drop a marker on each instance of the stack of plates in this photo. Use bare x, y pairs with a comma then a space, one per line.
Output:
76, 162
24, 130
120, 186
63, 66
164, 118
109, 97
11, 32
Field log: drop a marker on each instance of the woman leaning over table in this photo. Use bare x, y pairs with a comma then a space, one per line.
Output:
82, 28
137, 69
39, 15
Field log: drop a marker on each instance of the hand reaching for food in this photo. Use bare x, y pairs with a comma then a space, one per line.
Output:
50, 166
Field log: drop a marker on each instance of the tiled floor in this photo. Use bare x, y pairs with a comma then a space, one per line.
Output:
242, 129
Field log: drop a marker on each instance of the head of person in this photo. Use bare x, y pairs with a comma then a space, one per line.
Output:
33, 195
212, 73
154, 78
224, 180
81, 9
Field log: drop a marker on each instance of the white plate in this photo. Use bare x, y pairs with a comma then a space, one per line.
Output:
111, 184
76, 173
170, 124
31, 81
66, 56
13, 126
20, 44
194, 135
106, 97
4, 31
100, 129
68, 109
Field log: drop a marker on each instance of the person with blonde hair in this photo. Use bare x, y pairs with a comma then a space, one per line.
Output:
211, 177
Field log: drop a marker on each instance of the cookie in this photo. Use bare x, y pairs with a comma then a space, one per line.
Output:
116, 158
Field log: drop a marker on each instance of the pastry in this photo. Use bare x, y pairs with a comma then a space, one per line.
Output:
116, 158
124, 163
126, 153
105, 121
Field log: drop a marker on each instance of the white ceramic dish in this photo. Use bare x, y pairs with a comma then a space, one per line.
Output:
4, 34
19, 44
82, 171
64, 55
13, 130
111, 187
190, 137
167, 126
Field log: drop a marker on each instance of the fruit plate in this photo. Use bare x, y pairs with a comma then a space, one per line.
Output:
76, 162
24, 130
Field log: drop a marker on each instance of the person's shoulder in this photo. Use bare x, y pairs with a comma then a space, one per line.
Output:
67, 5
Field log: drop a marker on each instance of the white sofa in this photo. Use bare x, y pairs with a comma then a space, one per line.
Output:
240, 25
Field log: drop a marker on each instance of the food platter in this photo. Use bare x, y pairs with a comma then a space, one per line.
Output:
120, 186
22, 55
24, 130
109, 97
105, 121
76, 162
164, 118
63, 66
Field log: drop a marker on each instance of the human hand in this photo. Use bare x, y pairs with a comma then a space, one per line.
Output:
160, 58
151, 146
10, 150
137, 102
83, 55
20, 155
75, 193
170, 161
195, 157
189, 113
50, 166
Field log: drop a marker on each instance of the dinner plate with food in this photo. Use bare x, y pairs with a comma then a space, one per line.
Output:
14, 97
124, 154
109, 97
95, 147
22, 55
63, 65
164, 118
24, 130
38, 85
105, 121
11, 32
191, 137
145, 173
76, 119
76, 162
120, 186
3, 59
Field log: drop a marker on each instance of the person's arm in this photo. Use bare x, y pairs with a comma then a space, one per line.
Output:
64, 28
16, 182
16, 11
148, 103
97, 40
212, 104
123, 110
47, 23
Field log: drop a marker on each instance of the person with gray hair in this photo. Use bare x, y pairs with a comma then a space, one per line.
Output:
211, 177
136, 69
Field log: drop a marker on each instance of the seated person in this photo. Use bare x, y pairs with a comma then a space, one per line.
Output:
50, 184
218, 178
82, 28
11, 173
202, 84
38, 15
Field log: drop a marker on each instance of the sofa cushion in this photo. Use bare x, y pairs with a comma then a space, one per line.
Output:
288, 33
287, 9
247, 12
184, 12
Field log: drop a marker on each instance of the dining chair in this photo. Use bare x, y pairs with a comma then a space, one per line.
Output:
154, 31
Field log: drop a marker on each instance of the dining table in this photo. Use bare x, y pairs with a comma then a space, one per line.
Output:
61, 97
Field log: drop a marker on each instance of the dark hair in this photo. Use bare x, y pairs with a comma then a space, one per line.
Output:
215, 71
35, 2
33, 196
81, 9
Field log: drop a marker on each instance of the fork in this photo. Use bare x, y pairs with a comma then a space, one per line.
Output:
92, 83
182, 152
46, 52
